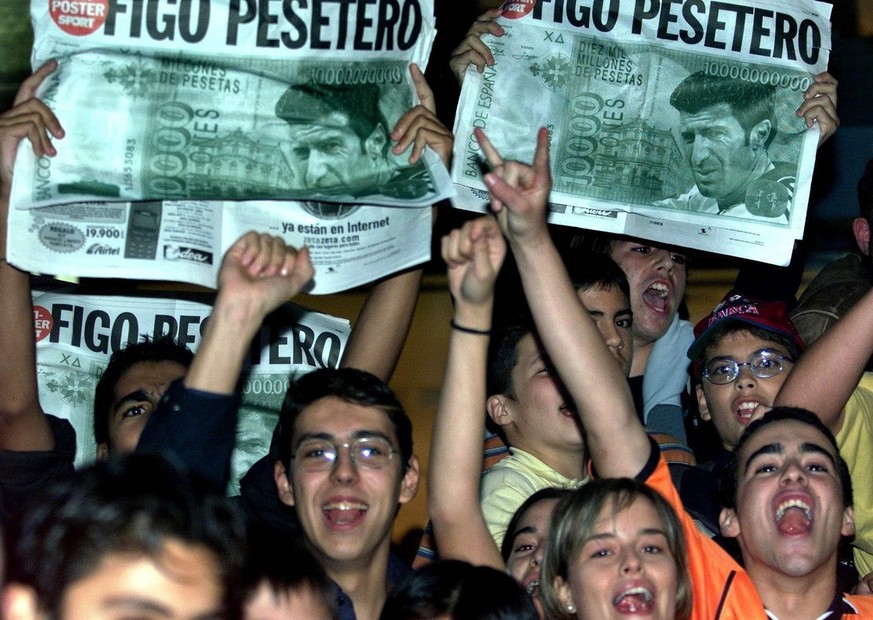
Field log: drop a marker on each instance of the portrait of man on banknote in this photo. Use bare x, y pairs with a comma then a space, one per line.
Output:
340, 142
726, 126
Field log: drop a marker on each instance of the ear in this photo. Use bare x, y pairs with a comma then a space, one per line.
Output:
18, 602
848, 528
701, 404
861, 228
374, 145
562, 589
759, 134
102, 451
409, 484
283, 484
498, 409
728, 523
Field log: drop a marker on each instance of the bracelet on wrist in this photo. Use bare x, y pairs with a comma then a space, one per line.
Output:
470, 330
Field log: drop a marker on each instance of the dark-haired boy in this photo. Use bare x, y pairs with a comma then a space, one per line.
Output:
747, 351
345, 464
530, 406
132, 536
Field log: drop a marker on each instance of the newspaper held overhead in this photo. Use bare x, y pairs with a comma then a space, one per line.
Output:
230, 100
76, 334
670, 121
185, 241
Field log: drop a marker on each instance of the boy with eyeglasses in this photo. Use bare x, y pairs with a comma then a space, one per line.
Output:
742, 353
345, 464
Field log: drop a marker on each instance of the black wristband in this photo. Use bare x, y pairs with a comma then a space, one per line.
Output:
470, 330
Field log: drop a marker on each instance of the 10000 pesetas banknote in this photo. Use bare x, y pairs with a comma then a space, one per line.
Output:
152, 127
617, 138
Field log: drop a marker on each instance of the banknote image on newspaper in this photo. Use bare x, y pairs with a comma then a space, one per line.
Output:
157, 127
651, 137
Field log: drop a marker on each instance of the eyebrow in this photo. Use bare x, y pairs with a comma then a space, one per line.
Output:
778, 448
133, 603
359, 434
649, 531
137, 396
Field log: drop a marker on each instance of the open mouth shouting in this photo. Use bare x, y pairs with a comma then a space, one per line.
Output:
744, 410
657, 297
794, 514
636, 599
344, 513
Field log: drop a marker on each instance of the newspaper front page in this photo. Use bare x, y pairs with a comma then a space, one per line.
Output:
184, 241
230, 100
76, 334
670, 121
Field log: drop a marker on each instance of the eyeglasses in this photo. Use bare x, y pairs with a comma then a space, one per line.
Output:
764, 364
366, 453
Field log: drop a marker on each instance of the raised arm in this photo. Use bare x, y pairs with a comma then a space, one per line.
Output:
599, 389
258, 274
196, 422
23, 426
473, 254
380, 330
843, 350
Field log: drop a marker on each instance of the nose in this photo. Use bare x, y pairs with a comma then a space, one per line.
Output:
699, 150
792, 472
631, 562
610, 335
536, 558
344, 469
663, 260
316, 169
746, 378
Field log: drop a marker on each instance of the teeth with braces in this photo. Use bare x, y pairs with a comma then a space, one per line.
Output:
532, 587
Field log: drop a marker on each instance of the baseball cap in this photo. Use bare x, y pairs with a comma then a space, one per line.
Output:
737, 308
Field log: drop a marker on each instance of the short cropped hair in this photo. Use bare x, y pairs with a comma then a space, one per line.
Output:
162, 349
511, 529
458, 590
573, 524
351, 385
286, 565
131, 503
503, 355
750, 102
307, 103
730, 477
595, 270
